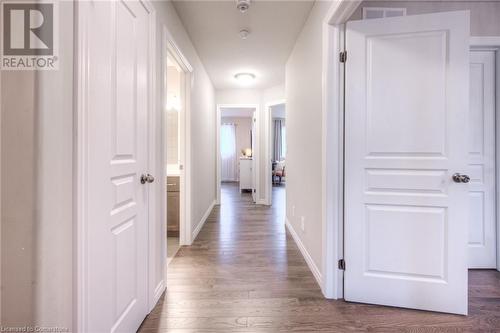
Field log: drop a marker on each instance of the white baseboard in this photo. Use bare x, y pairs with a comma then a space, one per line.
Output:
310, 262
202, 221
160, 288
262, 202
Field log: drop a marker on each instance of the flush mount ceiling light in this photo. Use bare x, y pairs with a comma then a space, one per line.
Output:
245, 78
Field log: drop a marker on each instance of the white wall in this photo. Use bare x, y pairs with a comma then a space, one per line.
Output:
37, 213
36, 192
54, 175
203, 125
261, 98
484, 15
18, 199
173, 91
304, 133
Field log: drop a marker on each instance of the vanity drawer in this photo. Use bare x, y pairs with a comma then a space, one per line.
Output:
173, 184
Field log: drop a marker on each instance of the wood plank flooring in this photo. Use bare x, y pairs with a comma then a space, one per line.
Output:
244, 273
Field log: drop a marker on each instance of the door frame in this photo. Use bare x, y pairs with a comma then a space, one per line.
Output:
80, 160
332, 156
492, 43
169, 46
255, 153
268, 149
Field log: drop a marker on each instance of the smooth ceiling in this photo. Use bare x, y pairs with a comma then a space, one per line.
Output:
214, 26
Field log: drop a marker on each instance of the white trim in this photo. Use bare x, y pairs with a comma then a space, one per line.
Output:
497, 143
333, 142
80, 172
307, 257
202, 221
158, 291
268, 117
153, 218
256, 156
485, 41
169, 46
218, 176
341, 11
255, 153
1, 112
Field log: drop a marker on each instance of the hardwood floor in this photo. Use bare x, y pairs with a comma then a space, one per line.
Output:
244, 273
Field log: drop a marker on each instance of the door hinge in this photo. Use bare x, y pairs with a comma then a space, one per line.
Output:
343, 56
342, 264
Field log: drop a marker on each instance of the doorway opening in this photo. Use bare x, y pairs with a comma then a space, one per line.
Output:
176, 148
237, 147
277, 147
174, 108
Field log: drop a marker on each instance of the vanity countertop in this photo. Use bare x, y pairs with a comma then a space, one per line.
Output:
173, 170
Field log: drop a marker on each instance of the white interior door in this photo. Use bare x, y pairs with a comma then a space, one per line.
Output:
482, 230
406, 228
116, 107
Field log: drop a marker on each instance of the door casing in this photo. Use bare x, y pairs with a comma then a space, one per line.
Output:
268, 149
170, 47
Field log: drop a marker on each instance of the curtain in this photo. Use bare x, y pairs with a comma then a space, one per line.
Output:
228, 152
279, 139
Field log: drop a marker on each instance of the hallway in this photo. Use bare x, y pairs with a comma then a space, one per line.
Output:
244, 273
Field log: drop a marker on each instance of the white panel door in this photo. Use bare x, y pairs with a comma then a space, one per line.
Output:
482, 230
116, 107
406, 228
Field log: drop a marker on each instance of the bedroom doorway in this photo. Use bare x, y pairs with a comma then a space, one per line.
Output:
237, 150
278, 154
236, 145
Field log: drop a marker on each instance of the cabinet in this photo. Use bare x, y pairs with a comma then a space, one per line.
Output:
246, 178
173, 206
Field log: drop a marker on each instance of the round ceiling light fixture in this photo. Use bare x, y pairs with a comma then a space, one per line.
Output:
245, 78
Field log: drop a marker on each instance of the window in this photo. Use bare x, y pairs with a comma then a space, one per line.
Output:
227, 141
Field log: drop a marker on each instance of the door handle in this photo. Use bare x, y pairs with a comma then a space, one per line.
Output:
459, 178
147, 178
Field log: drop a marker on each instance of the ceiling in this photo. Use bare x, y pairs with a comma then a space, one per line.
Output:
214, 26
237, 112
